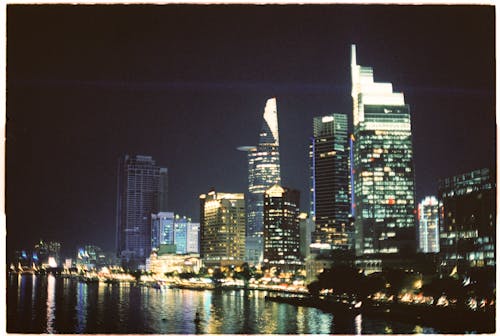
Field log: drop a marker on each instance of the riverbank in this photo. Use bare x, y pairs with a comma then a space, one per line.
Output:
446, 319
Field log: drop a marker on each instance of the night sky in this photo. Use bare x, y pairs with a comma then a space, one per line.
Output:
187, 85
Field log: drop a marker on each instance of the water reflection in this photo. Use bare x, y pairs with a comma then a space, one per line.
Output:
68, 306
20, 292
33, 294
81, 307
358, 323
51, 303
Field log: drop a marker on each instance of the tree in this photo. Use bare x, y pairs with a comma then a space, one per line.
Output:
372, 283
187, 275
448, 286
342, 279
314, 288
217, 277
482, 282
397, 280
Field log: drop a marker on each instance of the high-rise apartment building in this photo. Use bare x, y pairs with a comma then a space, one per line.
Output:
428, 225
330, 199
281, 227
222, 228
383, 167
468, 220
263, 172
139, 194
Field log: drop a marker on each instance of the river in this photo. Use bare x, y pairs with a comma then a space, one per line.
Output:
49, 304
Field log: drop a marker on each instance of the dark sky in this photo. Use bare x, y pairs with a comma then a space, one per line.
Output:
187, 85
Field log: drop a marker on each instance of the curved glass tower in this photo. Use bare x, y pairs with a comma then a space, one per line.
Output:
263, 172
383, 167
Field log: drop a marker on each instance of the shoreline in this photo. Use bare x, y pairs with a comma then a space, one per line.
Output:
449, 320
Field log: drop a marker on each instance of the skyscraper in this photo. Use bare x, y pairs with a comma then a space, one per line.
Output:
222, 227
383, 167
330, 200
138, 196
281, 227
428, 225
468, 220
263, 172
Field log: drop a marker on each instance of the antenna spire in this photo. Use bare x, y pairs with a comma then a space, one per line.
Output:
353, 55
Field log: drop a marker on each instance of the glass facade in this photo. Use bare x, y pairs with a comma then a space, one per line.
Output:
263, 172
139, 195
281, 226
170, 229
162, 229
222, 228
384, 200
193, 238
468, 220
428, 225
330, 194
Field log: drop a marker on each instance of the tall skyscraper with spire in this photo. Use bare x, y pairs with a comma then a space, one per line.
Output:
263, 172
384, 197
330, 194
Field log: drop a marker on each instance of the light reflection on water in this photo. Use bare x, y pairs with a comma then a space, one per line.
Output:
81, 307
51, 303
358, 321
69, 306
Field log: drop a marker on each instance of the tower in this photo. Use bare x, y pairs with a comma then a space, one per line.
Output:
222, 228
383, 167
281, 227
138, 197
330, 199
263, 172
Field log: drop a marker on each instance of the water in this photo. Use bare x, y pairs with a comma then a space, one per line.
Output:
48, 304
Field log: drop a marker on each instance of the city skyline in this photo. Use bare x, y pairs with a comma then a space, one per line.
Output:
180, 113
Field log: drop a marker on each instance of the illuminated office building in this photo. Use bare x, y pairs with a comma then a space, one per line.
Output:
186, 236
47, 253
383, 167
193, 238
306, 227
281, 227
139, 194
222, 228
170, 229
468, 220
162, 229
263, 172
90, 257
330, 200
428, 225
